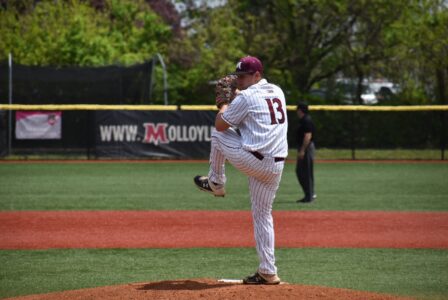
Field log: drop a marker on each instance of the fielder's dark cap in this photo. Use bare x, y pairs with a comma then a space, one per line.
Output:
303, 107
248, 65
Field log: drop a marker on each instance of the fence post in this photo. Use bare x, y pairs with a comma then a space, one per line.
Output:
91, 134
353, 135
10, 102
443, 135
165, 82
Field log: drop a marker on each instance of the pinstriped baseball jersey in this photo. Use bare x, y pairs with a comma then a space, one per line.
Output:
262, 107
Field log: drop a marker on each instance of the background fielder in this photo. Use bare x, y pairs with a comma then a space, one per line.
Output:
259, 151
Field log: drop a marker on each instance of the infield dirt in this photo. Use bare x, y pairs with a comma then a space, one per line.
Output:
161, 229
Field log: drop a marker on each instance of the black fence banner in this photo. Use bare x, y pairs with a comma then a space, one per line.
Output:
3, 133
164, 134
77, 85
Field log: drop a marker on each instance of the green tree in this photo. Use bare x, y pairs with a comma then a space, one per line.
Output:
300, 41
420, 61
304, 43
209, 50
366, 46
64, 33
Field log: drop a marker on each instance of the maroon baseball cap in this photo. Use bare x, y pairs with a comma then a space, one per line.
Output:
248, 65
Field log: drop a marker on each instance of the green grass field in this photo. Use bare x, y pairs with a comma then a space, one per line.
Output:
422, 273
168, 186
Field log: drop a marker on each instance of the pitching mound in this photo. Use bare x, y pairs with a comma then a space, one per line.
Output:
210, 289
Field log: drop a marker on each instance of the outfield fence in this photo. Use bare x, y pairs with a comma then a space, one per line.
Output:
183, 131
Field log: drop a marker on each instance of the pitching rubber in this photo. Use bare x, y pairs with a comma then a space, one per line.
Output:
238, 281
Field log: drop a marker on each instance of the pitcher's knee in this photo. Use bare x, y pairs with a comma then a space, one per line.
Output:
261, 212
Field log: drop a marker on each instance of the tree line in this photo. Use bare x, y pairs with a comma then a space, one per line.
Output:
321, 51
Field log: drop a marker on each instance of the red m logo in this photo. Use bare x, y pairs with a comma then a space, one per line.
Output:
155, 134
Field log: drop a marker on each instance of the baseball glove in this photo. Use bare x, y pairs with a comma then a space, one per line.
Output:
225, 90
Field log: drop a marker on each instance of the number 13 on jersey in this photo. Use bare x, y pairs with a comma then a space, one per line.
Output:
275, 105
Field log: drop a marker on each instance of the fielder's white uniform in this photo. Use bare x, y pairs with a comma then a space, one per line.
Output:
259, 112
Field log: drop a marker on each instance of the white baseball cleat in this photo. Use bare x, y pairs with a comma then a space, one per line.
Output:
208, 186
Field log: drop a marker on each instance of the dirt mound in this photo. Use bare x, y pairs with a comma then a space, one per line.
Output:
209, 289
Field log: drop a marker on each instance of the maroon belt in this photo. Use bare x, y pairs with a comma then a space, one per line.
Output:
261, 157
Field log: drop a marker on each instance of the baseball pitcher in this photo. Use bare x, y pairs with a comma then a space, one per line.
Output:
251, 128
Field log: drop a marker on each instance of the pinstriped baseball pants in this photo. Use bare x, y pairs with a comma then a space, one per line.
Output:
264, 179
